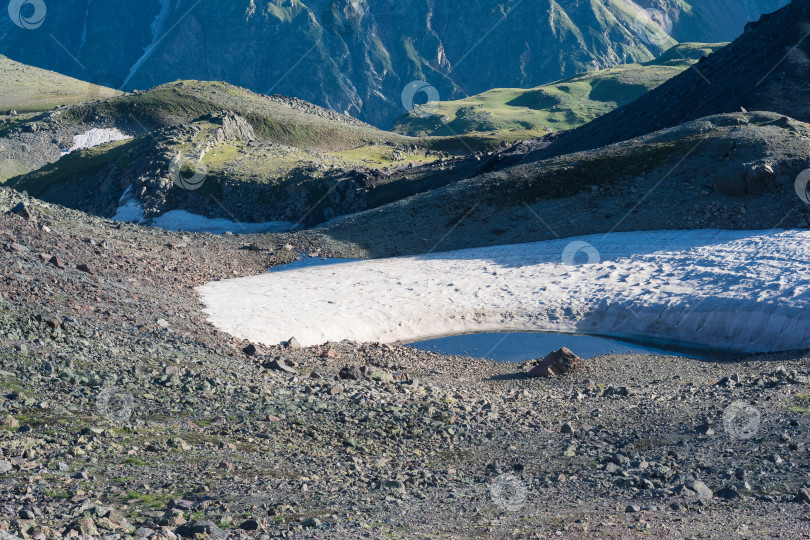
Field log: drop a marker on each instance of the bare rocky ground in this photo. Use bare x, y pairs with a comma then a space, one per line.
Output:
730, 171
124, 413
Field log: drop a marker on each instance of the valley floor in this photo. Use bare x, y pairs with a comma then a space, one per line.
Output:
124, 410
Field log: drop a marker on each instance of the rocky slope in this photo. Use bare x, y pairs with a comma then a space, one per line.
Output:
300, 163
32, 140
260, 158
256, 159
358, 56
733, 171
123, 412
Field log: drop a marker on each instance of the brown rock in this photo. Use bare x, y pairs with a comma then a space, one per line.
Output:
558, 363
173, 518
731, 180
9, 422
22, 211
56, 262
84, 268
330, 353
760, 179
179, 444
279, 365
739, 179
351, 373
85, 526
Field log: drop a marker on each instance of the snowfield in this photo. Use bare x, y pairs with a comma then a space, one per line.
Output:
180, 220
724, 290
95, 137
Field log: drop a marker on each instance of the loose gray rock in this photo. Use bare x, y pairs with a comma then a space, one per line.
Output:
702, 490
279, 365
202, 527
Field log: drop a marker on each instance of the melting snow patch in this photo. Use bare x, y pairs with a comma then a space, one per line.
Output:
719, 290
180, 220
129, 209
95, 137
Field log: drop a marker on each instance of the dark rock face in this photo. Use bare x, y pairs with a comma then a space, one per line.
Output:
22, 211
200, 527
739, 180
356, 56
351, 373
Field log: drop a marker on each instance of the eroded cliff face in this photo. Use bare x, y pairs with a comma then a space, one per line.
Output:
356, 56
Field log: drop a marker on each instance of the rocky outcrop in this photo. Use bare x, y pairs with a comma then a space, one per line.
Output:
234, 127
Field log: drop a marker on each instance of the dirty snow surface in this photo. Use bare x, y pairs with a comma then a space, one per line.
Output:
95, 137
738, 291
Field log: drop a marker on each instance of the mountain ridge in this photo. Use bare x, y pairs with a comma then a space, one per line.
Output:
766, 68
358, 56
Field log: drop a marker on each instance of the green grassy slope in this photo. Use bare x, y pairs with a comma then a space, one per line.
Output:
281, 120
517, 113
28, 89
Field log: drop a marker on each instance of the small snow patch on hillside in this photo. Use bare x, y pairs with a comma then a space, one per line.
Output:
95, 137
180, 220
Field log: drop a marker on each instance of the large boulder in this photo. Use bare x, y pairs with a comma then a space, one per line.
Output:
558, 363
740, 179
204, 528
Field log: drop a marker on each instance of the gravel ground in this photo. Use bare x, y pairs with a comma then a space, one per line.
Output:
124, 412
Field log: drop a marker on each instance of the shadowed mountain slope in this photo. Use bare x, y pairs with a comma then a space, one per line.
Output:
728, 171
767, 68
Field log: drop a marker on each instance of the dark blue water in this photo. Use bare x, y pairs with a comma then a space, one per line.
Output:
521, 346
305, 261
